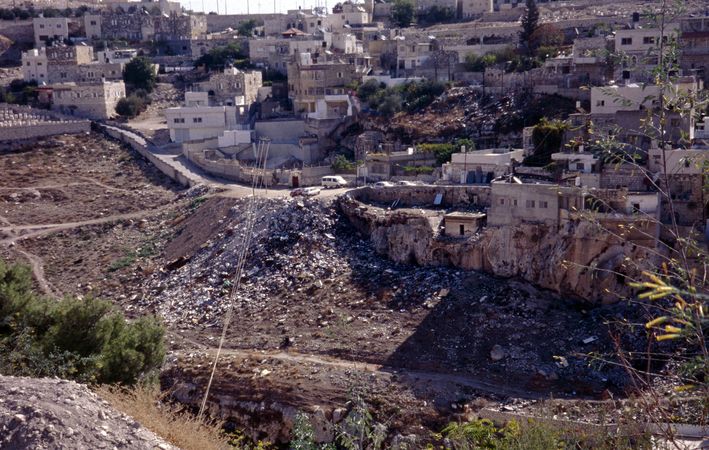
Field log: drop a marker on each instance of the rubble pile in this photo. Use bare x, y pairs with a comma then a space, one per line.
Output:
313, 284
297, 245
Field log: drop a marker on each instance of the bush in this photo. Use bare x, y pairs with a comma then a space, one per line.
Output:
82, 339
131, 106
410, 96
342, 165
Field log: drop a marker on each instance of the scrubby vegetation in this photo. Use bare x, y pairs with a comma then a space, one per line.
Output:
30, 12
134, 104
547, 137
410, 97
220, 57
19, 92
146, 404
443, 151
82, 339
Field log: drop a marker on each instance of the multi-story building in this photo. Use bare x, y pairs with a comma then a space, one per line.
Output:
60, 63
179, 27
96, 100
348, 15
232, 87
639, 49
318, 85
276, 52
50, 28
140, 25
136, 26
694, 46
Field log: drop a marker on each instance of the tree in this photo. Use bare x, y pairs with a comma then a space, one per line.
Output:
402, 13
140, 74
530, 22
246, 28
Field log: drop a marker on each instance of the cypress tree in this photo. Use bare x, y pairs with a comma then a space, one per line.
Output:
530, 22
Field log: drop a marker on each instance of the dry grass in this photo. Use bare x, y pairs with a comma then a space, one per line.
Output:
182, 429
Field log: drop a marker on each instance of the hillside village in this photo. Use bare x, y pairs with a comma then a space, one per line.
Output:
480, 191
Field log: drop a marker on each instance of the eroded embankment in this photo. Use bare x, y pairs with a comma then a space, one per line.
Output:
578, 259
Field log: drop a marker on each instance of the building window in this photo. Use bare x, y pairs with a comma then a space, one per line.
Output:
543, 204
600, 103
179, 120
530, 203
626, 41
197, 120
514, 202
648, 40
502, 201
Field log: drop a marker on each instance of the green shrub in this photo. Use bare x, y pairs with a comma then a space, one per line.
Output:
131, 106
547, 137
342, 165
83, 339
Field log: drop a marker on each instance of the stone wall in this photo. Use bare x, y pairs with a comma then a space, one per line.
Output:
453, 196
18, 122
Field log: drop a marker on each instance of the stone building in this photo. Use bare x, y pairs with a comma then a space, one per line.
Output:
61, 63
639, 48
481, 166
135, 26
232, 86
96, 100
179, 27
694, 46
277, 52
316, 82
50, 28
474, 8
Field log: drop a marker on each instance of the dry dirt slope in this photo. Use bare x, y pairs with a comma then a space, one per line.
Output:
59, 414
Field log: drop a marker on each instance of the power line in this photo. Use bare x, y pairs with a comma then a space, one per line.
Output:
258, 176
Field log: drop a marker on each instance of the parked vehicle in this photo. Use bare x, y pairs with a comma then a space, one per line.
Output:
383, 184
305, 192
405, 183
333, 181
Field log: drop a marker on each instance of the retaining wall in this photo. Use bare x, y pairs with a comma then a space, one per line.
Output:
425, 195
43, 129
140, 145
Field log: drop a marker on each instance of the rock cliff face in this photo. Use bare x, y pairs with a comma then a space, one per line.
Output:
579, 260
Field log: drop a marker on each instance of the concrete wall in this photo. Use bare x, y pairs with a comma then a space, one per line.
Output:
281, 131
425, 195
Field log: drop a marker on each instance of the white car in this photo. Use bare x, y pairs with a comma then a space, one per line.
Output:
333, 181
311, 191
405, 183
383, 184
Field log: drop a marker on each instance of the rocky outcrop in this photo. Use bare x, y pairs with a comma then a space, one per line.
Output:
59, 414
579, 259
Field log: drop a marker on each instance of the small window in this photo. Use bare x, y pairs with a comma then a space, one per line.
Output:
462, 230
600, 103
197, 120
514, 202
179, 120
502, 201
648, 40
530, 203
543, 204
626, 41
